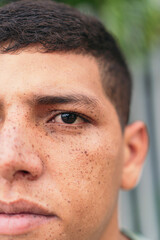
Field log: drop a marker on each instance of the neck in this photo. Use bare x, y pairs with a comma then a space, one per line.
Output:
112, 231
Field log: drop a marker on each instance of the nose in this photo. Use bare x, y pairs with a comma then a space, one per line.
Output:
17, 157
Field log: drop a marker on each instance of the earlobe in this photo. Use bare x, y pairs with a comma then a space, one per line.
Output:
136, 146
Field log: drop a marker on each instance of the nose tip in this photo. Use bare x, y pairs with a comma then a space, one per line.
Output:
20, 160
11, 173
13, 167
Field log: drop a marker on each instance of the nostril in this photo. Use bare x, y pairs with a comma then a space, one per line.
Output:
24, 174
21, 173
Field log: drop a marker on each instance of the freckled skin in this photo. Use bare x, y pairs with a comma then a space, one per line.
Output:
74, 171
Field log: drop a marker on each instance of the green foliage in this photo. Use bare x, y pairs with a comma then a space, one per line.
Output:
2, 2
93, 3
134, 22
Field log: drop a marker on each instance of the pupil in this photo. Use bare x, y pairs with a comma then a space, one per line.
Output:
68, 117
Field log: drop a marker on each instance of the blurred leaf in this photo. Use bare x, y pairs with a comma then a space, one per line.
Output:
135, 23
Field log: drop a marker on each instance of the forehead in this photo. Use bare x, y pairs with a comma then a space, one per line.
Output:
47, 73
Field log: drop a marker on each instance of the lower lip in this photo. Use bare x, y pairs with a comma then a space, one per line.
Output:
14, 224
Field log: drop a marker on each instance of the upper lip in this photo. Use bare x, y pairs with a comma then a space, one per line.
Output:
23, 207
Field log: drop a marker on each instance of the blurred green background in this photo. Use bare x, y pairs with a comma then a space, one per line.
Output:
136, 26
135, 23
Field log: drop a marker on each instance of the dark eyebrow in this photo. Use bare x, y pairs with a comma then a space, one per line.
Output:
65, 99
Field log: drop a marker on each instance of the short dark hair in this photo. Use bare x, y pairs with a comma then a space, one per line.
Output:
59, 27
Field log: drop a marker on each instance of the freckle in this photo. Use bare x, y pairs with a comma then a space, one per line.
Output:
86, 153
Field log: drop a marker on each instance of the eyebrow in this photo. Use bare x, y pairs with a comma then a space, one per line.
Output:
65, 99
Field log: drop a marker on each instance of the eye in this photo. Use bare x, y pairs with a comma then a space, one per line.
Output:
68, 118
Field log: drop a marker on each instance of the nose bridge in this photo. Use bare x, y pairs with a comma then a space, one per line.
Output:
10, 140
15, 111
12, 130
16, 153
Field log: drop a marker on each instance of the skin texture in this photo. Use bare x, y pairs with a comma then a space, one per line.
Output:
73, 170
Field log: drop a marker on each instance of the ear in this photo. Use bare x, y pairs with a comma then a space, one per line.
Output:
136, 145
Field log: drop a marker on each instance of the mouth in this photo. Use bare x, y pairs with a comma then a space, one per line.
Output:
22, 216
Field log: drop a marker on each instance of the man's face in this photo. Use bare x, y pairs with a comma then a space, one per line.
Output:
61, 147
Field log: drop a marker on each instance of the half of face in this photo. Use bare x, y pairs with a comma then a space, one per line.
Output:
62, 149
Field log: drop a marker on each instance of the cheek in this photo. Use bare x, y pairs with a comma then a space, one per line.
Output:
84, 170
